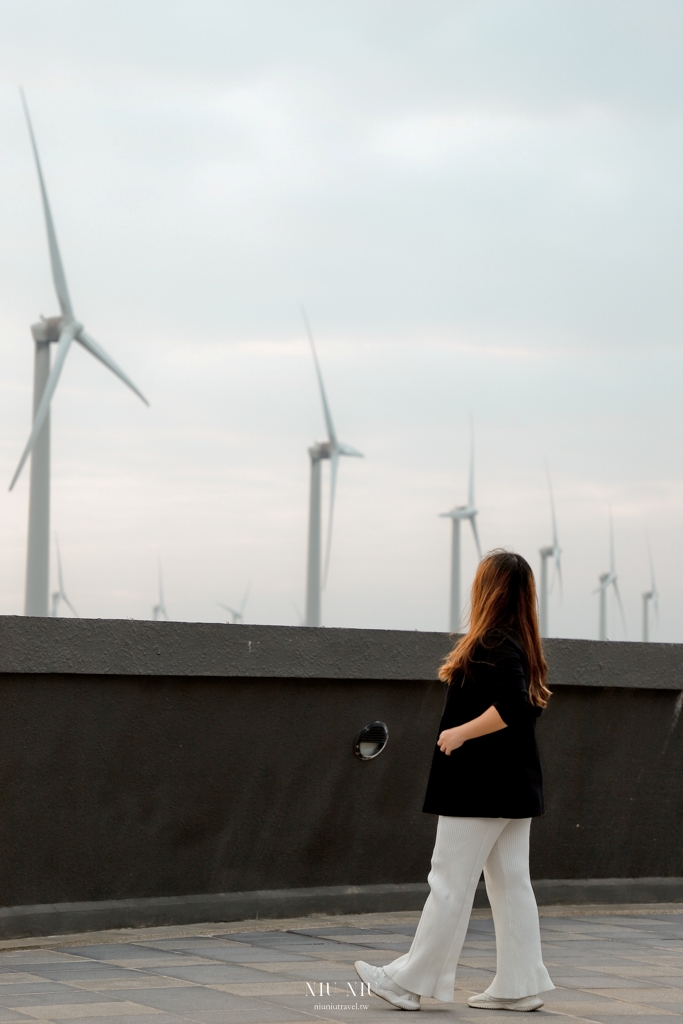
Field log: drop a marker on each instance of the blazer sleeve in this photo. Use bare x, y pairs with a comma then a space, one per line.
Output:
511, 698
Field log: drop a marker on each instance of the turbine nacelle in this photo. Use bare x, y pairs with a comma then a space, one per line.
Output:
605, 580
48, 329
331, 449
460, 512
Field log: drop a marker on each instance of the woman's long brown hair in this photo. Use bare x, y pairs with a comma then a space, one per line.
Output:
503, 598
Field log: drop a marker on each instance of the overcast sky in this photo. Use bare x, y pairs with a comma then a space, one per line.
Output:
481, 206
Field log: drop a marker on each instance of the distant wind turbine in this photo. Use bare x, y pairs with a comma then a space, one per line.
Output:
553, 551
607, 580
62, 329
456, 515
159, 610
650, 595
60, 595
331, 449
237, 615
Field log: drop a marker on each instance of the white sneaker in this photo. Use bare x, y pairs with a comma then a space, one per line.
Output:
380, 984
486, 1002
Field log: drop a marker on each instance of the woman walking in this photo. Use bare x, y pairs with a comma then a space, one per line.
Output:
486, 786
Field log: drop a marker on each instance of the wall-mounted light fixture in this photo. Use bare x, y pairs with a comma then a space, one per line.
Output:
371, 741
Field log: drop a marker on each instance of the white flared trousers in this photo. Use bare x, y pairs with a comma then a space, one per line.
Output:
465, 846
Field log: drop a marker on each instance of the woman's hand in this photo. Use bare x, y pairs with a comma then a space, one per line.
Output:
451, 739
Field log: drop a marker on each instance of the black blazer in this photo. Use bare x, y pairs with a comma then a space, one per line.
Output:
494, 776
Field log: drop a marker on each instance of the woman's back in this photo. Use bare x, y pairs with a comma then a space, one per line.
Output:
497, 775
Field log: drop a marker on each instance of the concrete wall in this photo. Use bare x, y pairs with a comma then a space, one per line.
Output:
148, 762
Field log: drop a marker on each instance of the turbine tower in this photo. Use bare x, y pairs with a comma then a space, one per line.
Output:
553, 551
62, 329
159, 609
456, 515
650, 595
607, 580
237, 615
59, 595
331, 449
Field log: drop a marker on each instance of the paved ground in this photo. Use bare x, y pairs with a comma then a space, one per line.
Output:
615, 965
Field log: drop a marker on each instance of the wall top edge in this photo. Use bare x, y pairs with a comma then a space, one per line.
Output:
126, 647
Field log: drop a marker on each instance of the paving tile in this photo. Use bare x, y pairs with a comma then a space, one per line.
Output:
193, 945
78, 1011
6, 1014
297, 967
590, 982
16, 957
641, 1018
128, 984
604, 1008
146, 1017
17, 978
71, 973
213, 974
254, 1013
19, 996
108, 950
645, 995
238, 955
179, 1000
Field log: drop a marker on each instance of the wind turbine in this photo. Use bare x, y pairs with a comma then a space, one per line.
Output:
650, 595
59, 595
553, 551
159, 609
607, 580
237, 616
457, 515
62, 329
331, 449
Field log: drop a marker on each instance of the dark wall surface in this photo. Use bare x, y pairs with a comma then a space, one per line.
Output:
162, 759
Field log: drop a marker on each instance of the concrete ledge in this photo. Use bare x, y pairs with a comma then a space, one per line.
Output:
67, 918
124, 647
62, 918
609, 890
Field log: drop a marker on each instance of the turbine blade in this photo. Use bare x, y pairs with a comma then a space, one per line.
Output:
245, 598
553, 517
96, 350
59, 569
557, 551
611, 544
346, 449
227, 608
621, 607
65, 339
326, 409
653, 585
55, 258
471, 481
473, 524
334, 466
69, 605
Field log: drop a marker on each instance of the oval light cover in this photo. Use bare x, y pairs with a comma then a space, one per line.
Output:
371, 741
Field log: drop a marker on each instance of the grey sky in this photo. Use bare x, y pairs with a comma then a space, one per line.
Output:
479, 204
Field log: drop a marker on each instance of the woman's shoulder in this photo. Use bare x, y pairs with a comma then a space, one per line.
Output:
499, 643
